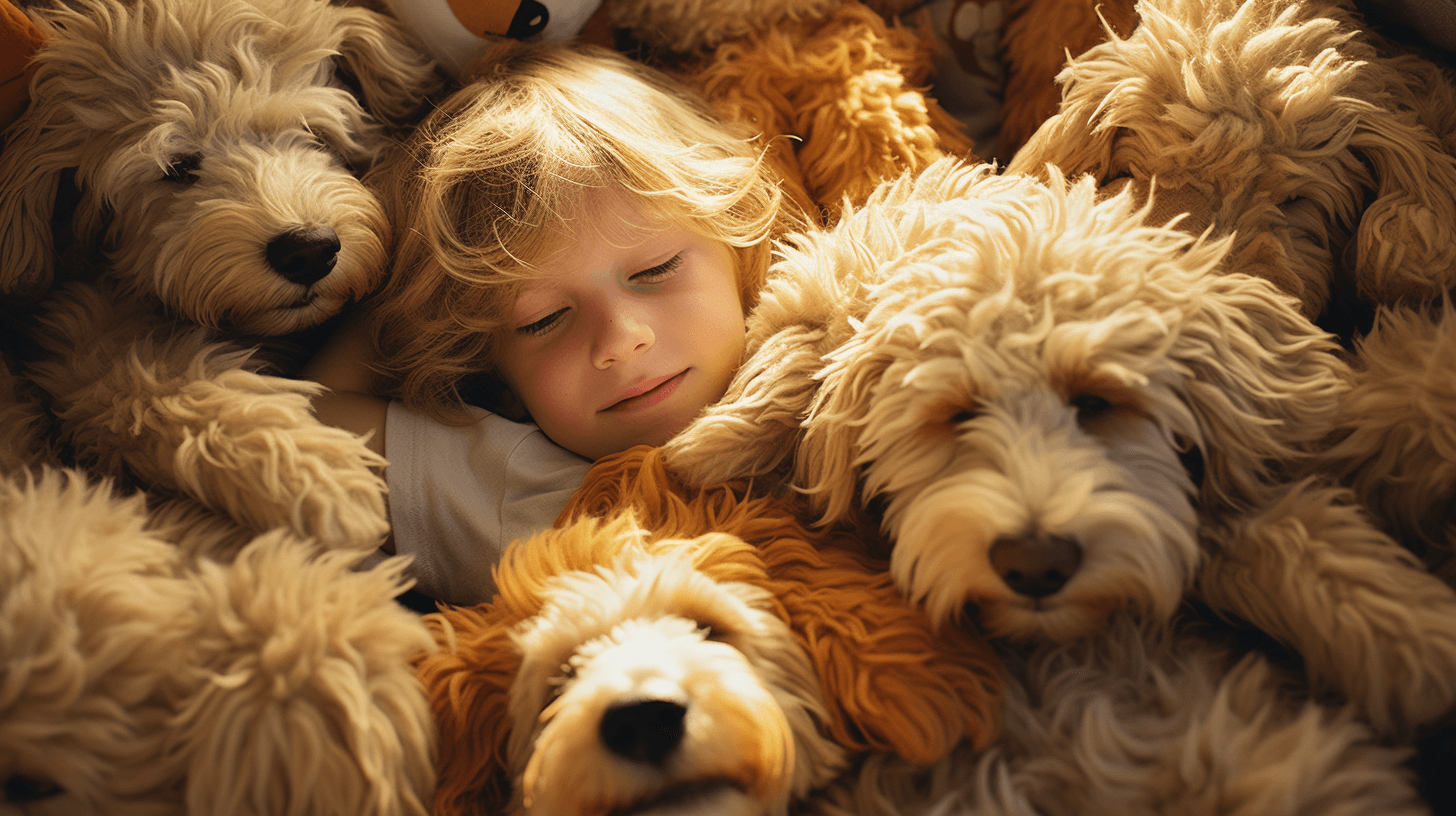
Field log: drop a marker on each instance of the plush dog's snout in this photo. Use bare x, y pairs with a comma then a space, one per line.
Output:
1035, 565
304, 256
644, 732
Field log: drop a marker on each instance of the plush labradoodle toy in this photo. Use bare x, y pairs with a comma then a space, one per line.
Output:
834, 90
1326, 151
210, 146
615, 664
139, 681
1061, 411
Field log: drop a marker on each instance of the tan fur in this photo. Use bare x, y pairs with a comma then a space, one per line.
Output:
138, 681
1011, 366
1143, 720
200, 134
1289, 126
1394, 437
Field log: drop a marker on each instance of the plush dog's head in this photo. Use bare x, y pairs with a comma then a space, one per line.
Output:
1278, 123
618, 676
1041, 393
213, 146
1044, 393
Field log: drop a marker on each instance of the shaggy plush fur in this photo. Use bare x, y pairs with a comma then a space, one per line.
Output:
211, 145
139, 683
1394, 437
1143, 721
618, 677
1062, 412
862, 662
1286, 124
1037, 39
892, 682
834, 90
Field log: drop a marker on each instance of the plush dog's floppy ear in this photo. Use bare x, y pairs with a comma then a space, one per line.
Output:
37, 149
468, 682
1405, 245
395, 73
1263, 385
891, 682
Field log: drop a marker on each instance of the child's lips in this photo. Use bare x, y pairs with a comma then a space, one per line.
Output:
648, 393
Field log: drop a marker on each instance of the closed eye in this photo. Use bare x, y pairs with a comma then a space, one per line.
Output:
545, 324
659, 273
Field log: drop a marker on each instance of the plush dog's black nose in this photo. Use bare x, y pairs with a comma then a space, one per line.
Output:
304, 256
1035, 565
644, 732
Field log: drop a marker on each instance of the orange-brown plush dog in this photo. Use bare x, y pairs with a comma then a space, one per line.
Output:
835, 90
886, 682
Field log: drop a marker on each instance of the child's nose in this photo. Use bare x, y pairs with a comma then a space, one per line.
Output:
623, 338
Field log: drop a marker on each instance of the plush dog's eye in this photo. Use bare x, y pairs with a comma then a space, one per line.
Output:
25, 788
963, 415
183, 169
1090, 406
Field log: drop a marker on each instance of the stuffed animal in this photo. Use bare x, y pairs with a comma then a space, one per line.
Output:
1153, 720
19, 39
1323, 148
1038, 37
1060, 411
1393, 439
208, 148
680, 591
139, 682
834, 91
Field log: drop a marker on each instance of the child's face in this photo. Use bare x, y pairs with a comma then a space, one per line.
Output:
635, 328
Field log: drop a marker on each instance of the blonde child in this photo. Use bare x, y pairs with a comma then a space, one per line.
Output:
578, 241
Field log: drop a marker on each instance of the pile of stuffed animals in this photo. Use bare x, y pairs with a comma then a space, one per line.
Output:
1099, 461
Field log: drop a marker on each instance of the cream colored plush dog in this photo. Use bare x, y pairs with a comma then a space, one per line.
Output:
1325, 151
1060, 412
212, 145
137, 681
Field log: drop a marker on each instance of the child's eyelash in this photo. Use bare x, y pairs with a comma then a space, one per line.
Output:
543, 325
662, 269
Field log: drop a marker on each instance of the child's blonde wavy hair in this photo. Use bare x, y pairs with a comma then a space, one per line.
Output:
475, 191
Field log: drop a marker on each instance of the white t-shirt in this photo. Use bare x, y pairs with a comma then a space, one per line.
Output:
459, 494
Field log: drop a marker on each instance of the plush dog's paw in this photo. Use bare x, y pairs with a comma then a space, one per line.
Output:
258, 454
174, 411
1370, 624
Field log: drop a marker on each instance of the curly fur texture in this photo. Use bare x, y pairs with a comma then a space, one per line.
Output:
212, 146
1063, 412
1394, 437
140, 682
835, 91
881, 679
892, 681
1037, 40
1148, 721
618, 674
1288, 125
